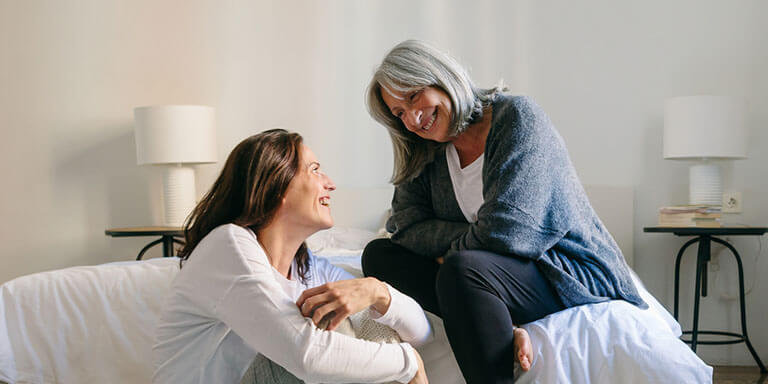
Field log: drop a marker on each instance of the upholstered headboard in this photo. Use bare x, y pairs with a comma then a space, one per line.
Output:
366, 208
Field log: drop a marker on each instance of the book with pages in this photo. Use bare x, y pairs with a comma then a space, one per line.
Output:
705, 216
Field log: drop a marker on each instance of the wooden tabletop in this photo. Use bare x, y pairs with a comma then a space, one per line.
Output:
145, 231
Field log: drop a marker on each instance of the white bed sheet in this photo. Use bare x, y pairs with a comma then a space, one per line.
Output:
612, 342
95, 324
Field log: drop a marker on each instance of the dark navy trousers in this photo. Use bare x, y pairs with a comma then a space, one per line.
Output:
478, 294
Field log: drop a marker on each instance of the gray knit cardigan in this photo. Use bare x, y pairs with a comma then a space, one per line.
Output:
534, 207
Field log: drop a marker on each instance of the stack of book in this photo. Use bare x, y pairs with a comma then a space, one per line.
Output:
690, 216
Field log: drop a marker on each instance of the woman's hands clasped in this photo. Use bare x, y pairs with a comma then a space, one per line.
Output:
343, 298
339, 299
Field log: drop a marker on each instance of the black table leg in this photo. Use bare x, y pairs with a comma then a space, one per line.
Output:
704, 238
147, 247
167, 240
677, 273
167, 245
742, 303
701, 266
705, 253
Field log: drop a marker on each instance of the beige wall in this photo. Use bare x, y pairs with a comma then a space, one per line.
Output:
71, 72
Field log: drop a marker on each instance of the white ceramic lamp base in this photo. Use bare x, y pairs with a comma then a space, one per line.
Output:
178, 194
705, 185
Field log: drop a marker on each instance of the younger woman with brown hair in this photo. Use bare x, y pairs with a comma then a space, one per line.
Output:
250, 290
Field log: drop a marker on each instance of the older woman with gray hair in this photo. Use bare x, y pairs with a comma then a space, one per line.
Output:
490, 225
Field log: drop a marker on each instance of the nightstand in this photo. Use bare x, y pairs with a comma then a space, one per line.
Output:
168, 236
704, 237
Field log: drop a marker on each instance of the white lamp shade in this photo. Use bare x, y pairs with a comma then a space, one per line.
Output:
702, 127
175, 134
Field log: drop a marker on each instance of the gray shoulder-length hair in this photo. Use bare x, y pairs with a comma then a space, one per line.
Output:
410, 66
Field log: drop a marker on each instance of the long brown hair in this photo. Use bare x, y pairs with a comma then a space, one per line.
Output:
249, 190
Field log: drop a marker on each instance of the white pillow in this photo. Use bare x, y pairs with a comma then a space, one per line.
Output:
339, 239
92, 324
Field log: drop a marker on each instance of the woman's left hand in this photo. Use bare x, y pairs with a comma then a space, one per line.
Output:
344, 298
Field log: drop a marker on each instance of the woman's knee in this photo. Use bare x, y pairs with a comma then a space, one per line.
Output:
377, 255
462, 262
458, 271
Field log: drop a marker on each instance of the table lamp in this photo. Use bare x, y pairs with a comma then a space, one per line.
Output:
706, 129
176, 136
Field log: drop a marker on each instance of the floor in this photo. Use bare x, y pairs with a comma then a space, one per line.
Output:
738, 375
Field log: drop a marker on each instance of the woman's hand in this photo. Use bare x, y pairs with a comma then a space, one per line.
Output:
421, 374
343, 298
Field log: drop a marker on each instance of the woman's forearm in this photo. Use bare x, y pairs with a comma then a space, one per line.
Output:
405, 316
381, 297
293, 342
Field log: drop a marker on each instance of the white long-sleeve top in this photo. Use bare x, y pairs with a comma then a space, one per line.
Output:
228, 304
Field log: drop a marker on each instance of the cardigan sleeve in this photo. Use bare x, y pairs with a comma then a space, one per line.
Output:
524, 176
414, 225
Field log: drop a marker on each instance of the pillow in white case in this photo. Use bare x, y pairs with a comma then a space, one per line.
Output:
340, 238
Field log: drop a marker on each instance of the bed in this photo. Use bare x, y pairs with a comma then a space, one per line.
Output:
95, 323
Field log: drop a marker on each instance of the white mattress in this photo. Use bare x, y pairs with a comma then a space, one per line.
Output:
95, 324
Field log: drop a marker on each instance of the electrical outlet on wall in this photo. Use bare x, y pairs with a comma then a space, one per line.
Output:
732, 202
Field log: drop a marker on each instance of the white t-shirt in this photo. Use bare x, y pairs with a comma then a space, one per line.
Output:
467, 183
227, 304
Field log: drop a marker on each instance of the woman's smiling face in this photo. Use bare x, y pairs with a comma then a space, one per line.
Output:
307, 202
426, 112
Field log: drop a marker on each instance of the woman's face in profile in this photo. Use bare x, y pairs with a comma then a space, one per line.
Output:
425, 112
307, 202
